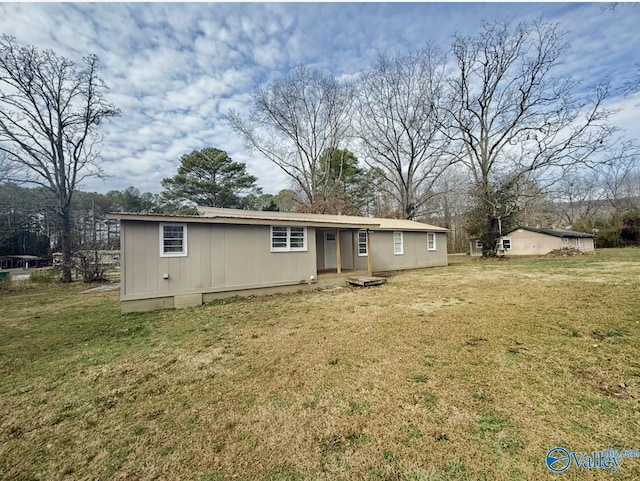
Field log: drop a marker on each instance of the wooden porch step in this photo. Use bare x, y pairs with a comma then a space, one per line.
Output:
366, 281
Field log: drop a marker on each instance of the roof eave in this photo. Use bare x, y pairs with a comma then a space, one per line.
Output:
552, 233
198, 219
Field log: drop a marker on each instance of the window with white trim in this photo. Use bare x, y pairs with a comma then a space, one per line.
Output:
288, 239
173, 240
363, 248
431, 241
506, 244
398, 243
578, 242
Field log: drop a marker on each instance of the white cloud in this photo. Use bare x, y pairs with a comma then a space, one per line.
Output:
175, 69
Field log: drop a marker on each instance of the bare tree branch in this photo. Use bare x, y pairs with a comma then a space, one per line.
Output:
49, 114
294, 120
397, 122
514, 118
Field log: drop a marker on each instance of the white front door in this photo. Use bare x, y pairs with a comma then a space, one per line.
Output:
330, 250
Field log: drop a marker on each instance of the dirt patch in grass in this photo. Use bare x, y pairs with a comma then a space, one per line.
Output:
473, 371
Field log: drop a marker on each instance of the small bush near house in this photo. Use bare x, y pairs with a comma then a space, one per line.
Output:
44, 276
91, 269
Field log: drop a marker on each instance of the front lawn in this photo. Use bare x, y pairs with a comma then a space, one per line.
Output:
471, 371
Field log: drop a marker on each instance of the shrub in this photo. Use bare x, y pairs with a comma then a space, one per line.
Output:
44, 276
91, 269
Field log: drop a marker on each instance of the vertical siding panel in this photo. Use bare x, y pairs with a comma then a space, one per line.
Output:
265, 256
318, 238
197, 242
151, 255
419, 249
137, 260
205, 257
441, 250
127, 242
217, 256
382, 252
238, 256
346, 249
125, 271
312, 265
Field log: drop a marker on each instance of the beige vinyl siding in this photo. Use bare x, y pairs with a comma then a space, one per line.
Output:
527, 243
362, 262
219, 257
475, 247
347, 239
319, 241
587, 244
416, 253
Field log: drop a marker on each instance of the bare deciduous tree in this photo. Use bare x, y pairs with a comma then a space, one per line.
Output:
4, 167
514, 117
585, 195
579, 196
50, 111
397, 121
621, 177
453, 202
294, 120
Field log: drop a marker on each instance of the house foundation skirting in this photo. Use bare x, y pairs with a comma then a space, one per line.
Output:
181, 301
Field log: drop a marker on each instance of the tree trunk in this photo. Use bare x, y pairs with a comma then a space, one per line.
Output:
65, 244
490, 237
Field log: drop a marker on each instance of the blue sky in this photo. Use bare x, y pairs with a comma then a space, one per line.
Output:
174, 69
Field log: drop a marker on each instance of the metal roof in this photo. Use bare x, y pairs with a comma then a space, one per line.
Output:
217, 215
259, 217
552, 231
376, 223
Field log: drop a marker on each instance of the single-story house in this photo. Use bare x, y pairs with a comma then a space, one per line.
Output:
179, 261
531, 241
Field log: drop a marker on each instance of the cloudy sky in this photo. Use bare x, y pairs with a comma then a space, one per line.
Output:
174, 69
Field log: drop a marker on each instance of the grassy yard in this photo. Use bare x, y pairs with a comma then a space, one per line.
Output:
473, 371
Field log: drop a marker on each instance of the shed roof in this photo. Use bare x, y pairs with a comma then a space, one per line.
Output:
553, 232
24, 257
216, 215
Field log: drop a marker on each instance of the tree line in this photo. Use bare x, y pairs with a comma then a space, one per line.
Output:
478, 136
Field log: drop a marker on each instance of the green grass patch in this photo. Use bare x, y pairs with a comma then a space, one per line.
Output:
420, 378
429, 399
490, 422
44, 276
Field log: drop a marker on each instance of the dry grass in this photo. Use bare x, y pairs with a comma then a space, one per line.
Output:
473, 371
